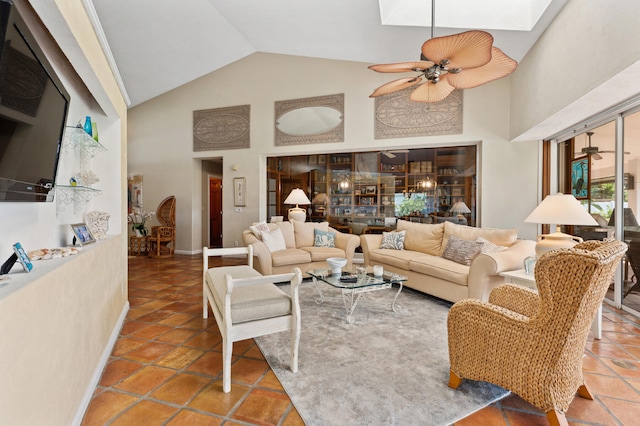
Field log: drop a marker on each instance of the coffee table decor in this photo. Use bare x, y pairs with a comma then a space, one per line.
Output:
354, 286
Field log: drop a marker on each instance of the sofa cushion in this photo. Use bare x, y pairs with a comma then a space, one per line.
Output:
501, 237
303, 232
290, 257
258, 227
422, 237
393, 240
398, 258
274, 240
319, 254
461, 251
324, 238
287, 232
438, 267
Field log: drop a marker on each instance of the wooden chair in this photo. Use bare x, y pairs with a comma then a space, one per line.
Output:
162, 241
532, 343
247, 304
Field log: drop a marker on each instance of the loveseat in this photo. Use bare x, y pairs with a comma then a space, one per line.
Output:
448, 260
306, 245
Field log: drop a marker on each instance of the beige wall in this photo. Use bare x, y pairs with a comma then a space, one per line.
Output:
161, 145
586, 61
59, 319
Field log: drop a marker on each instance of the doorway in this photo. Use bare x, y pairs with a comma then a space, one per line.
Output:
215, 212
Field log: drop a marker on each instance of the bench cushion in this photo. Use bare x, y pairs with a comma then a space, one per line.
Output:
248, 303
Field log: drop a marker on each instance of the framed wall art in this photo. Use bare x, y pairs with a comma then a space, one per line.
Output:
82, 234
580, 183
239, 192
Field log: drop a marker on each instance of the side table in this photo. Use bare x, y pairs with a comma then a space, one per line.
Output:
529, 280
138, 246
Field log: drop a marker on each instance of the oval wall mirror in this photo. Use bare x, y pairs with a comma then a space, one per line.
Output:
309, 120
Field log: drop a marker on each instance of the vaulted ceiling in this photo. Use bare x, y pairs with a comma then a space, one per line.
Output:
159, 45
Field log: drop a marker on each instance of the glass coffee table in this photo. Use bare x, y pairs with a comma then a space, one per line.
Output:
354, 288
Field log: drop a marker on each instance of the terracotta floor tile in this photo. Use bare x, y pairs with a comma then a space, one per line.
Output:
145, 380
192, 418
262, 407
586, 410
181, 388
179, 358
151, 331
155, 316
518, 418
293, 418
210, 364
626, 412
205, 340
176, 336
149, 352
118, 369
213, 400
125, 344
248, 371
154, 305
254, 352
623, 367
489, 415
608, 350
105, 406
176, 319
271, 381
131, 326
610, 386
145, 413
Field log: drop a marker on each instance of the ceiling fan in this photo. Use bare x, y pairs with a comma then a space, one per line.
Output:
594, 151
459, 61
392, 153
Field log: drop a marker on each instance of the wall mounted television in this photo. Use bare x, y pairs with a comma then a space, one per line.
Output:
33, 113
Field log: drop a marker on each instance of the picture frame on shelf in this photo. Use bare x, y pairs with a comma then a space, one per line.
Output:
82, 234
456, 191
370, 189
239, 191
580, 182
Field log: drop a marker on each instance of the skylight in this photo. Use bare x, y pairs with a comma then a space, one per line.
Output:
515, 15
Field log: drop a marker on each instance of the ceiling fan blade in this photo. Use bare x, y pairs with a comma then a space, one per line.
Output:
395, 85
470, 49
596, 156
389, 154
499, 66
429, 92
402, 66
613, 152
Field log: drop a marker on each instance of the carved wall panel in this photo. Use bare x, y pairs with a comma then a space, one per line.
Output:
221, 128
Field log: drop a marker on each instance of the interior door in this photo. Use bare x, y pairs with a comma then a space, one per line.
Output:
215, 212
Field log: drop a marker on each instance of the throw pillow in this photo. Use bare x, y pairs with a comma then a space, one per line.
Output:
324, 238
274, 240
461, 251
258, 227
393, 240
489, 247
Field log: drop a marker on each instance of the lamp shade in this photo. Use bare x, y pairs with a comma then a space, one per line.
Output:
297, 196
559, 209
460, 208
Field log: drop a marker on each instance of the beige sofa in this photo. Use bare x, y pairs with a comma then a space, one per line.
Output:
300, 250
428, 271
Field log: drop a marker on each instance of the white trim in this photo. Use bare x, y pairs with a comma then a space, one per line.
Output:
97, 374
104, 43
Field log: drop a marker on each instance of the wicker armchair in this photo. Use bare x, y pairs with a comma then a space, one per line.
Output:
162, 241
532, 343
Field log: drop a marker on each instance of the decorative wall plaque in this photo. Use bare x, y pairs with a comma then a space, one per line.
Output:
309, 120
396, 116
221, 128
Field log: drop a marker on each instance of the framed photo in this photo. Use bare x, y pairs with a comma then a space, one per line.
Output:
239, 192
313, 159
82, 233
580, 182
322, 159
370, 190
456, 191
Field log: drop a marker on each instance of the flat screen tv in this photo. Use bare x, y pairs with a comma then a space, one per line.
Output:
33, 113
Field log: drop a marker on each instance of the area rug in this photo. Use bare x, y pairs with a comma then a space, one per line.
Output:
385, 368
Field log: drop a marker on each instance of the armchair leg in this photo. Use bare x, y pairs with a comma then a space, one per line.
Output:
556, 418
227, 350
584, 392
454, 380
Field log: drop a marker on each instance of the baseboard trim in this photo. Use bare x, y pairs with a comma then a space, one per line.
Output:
188, 252
95, 379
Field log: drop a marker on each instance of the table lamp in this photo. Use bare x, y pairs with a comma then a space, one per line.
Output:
297, 196
460, 208
559, 209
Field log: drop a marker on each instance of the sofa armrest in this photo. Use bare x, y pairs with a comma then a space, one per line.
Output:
369, 242
261, 254
486, 267
348, 243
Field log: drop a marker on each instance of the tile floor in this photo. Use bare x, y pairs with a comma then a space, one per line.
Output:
165, 368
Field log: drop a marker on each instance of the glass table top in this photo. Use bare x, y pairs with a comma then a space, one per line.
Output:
351, 280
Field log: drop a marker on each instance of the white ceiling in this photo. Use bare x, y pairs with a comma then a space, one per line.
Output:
159, 45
